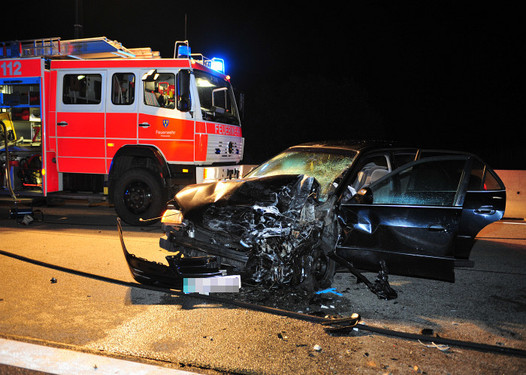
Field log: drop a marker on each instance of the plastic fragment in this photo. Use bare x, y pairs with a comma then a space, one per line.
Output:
329, 290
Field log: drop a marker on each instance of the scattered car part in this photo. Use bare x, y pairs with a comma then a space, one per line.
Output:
341, 325
381, 285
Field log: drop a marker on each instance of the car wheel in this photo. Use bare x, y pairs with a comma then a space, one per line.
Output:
139, 197
314, 271
323, 270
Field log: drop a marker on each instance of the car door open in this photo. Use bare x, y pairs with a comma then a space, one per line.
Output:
410, 220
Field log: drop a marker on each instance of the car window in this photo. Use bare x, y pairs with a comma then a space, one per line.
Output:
159, 89
401, 158
425, 183
82, 89
325, 167
483, 178
490, 181
216, 97
371, 170
123, 88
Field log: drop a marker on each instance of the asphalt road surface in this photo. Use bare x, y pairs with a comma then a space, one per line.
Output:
92, 305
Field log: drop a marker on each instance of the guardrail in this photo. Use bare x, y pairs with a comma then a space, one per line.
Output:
515, 182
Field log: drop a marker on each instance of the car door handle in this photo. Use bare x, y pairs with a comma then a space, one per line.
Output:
144, 125
485, 210
436, 228
62, 123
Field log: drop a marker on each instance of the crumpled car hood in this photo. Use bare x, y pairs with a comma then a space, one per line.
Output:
272, 220
235, 192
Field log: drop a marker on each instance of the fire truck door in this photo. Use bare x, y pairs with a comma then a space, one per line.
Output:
121, 112
80, 122
160, 123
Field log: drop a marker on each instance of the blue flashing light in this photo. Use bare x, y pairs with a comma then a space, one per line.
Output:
218, 65
183, 51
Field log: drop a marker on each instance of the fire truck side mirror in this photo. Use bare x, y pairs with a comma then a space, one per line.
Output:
184, 100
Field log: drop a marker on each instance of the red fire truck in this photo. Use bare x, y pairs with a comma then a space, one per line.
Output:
90, 114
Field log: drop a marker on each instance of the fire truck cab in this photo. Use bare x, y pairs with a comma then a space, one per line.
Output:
92, 115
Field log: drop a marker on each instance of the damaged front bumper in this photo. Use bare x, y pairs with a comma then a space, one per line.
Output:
172, 275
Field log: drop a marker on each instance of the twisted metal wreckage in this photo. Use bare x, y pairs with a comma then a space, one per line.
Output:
356, 205
273, 231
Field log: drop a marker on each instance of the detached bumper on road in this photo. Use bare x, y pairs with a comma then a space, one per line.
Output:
178, 269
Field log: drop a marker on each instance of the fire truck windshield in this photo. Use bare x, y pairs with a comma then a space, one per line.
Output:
217, 99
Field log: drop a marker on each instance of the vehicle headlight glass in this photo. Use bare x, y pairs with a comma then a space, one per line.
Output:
172, 217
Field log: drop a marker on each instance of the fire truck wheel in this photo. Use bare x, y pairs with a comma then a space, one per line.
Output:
139, 197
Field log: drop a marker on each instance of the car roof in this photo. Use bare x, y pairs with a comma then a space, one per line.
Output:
363, 146
348, 145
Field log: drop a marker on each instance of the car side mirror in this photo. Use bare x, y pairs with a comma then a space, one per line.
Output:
364, 196
184, 100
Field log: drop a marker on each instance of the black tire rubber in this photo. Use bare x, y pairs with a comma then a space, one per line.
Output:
324, 270
314, 271
139, 197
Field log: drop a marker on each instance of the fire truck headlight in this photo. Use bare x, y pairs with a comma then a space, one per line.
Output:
172, 217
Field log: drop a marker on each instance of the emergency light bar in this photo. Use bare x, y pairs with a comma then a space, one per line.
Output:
182, 51
218, 65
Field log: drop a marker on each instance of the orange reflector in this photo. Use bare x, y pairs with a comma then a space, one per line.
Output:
172, 217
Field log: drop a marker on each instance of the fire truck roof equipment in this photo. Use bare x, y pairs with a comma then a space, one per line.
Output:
182, 50
97, 48
86, 48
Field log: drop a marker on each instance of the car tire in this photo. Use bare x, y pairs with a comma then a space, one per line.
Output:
323, 270
139, 197
314, 271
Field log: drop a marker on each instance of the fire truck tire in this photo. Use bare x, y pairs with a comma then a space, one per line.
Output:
139, 197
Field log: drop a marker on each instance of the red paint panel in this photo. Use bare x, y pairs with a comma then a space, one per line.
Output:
51, 144
74, 165
223, 129
200, 127
50, 96
201, 143
176, 150
121, 125
19, 68
51, 176
165, 128
86, 148
113, 145
81, 124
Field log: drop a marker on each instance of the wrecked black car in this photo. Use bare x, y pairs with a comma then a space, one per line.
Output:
319, 207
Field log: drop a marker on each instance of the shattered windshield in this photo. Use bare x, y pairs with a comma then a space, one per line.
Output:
325, 166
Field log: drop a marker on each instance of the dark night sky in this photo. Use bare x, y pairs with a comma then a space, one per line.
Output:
439, 74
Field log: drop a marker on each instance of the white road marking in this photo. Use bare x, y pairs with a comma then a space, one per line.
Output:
514, 222
67, 362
